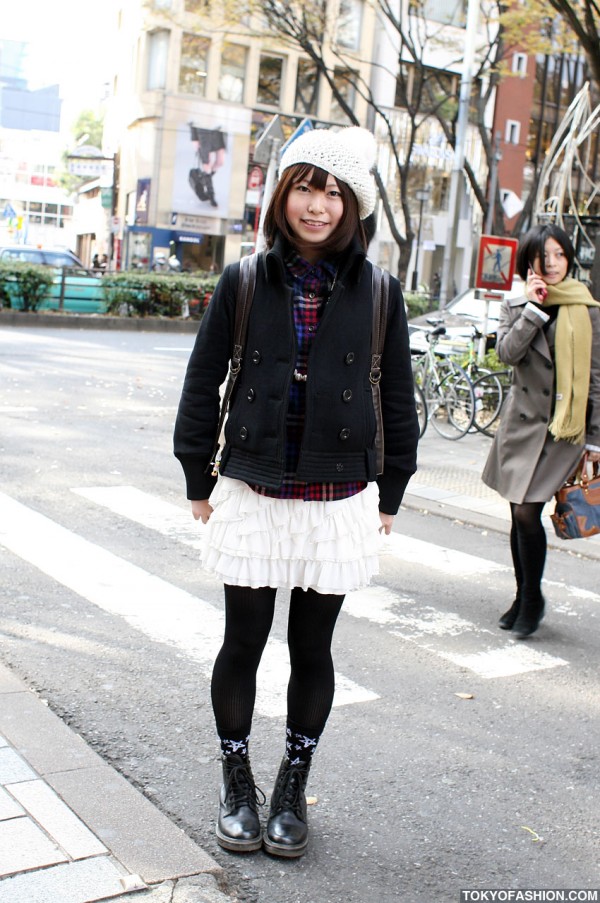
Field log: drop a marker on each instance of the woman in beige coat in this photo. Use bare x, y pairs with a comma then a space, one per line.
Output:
551, 338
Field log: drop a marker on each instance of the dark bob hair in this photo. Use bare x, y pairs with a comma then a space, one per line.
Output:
533, 243
275, 219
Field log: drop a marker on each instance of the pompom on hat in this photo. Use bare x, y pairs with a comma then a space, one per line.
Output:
348, 154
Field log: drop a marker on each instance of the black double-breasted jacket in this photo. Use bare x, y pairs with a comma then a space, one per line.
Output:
339, 430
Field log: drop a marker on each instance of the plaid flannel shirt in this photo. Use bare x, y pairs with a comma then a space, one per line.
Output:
311, 285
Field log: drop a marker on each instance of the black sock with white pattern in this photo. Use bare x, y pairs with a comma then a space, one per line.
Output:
231, 747
299, 746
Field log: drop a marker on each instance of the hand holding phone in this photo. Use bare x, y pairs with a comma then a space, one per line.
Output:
542, 292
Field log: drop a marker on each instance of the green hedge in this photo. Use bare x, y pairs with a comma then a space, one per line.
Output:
418, 303
28, 281
143, 294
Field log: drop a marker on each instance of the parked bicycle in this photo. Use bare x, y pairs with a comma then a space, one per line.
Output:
447, 390
490, 390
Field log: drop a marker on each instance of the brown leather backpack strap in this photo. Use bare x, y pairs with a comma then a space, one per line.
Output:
381, 297
243, 303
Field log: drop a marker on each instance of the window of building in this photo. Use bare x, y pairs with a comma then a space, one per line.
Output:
512, 131
344, 81
307, 88
193, 68
349, 24
197, 6
423, 88
519, 64
158, 53
233, 73
449, 12
269, 80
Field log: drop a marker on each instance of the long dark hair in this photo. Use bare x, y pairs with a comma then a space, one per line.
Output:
275, 219
533, 243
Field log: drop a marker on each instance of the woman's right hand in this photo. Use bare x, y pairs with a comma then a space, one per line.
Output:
201, 510
535, 288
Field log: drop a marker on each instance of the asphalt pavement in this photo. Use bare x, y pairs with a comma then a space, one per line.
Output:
73, 830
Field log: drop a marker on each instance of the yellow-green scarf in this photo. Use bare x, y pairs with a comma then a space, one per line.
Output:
573, 357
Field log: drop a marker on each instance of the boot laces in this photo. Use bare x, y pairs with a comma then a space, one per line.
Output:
241, 790
291, 791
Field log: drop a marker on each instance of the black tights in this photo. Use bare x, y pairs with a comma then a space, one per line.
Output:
248, 619
528, 547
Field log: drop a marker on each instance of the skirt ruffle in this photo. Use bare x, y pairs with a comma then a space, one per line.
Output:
330, 547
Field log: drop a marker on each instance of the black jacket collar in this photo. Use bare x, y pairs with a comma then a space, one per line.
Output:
351, 261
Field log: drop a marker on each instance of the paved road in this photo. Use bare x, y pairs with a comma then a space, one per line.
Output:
454, 756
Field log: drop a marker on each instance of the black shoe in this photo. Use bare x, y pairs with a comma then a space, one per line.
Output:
238, 826
528, 621
509, 617
287, 828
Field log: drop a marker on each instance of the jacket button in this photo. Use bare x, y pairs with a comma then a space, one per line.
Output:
251, 395
256, 357
546, 392
344, 434
349, 359
548, 365
339, 467
522, 416
347, 395
525, 388
243, 433
544, 419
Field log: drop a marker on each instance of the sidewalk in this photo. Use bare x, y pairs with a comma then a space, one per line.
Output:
73, 830
448, 483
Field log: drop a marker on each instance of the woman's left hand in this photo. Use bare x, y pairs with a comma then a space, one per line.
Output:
386, 523
593, 456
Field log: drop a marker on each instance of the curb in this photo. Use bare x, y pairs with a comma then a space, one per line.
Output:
53, 319
582, 548
133, 837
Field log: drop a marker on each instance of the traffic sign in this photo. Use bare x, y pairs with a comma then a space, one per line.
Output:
305, 126
496, 262
262, 148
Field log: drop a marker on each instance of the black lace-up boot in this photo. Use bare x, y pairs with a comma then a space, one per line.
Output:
238, 826
287, 829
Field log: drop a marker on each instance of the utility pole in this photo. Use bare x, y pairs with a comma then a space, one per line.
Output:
457, 178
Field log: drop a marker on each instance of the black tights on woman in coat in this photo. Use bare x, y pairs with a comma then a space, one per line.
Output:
528, 547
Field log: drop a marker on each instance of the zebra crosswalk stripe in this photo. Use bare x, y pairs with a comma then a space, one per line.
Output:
147, 603
486, 655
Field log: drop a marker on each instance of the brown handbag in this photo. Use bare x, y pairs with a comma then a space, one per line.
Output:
577, 512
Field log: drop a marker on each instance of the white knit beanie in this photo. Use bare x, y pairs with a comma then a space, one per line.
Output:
348, 154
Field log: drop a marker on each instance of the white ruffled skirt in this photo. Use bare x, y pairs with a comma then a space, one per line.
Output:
330, 547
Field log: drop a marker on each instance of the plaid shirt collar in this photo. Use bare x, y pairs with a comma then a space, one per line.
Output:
300, 269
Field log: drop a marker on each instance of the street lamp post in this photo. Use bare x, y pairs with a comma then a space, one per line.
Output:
422, 195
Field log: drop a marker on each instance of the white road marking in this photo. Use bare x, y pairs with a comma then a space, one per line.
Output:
438, 558
158, 609
436, 630
425, 626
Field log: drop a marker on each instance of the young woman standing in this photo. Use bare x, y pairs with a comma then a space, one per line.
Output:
298, 504
551, 338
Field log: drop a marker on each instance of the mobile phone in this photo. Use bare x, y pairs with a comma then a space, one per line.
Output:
542, 293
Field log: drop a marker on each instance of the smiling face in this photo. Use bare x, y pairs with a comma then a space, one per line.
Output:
556, 263
313, 214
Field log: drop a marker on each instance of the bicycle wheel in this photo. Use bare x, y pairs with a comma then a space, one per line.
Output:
490, 392
453, 402
421, 406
